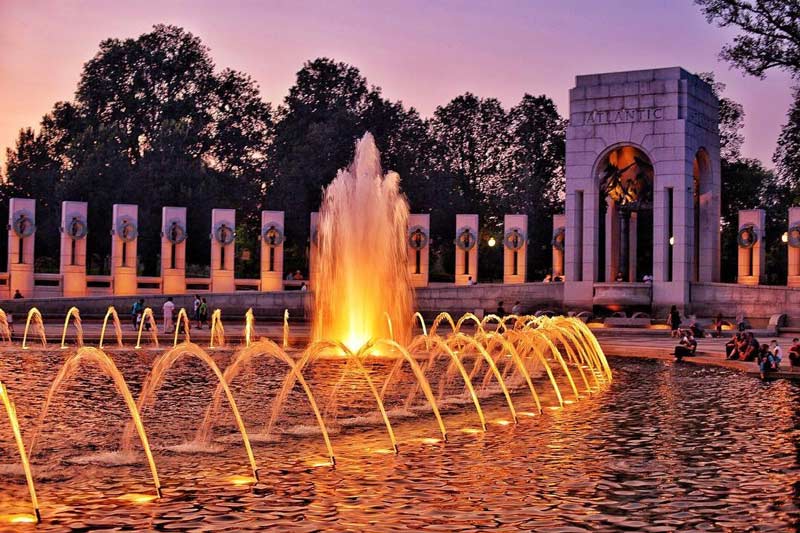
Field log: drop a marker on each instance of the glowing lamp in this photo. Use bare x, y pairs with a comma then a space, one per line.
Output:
491, 242
672, 241
785, 237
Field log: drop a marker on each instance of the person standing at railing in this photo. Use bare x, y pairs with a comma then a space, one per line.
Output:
168, 309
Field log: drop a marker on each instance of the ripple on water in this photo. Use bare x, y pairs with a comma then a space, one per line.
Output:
668, 447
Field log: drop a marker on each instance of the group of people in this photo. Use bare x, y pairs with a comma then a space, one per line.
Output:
516, 309
744, 346
199, 316
550, 278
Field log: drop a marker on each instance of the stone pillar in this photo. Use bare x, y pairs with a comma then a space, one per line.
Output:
312, 244
557, 243
612, 240
633, 231
752, 252
73, 248
173, 250
124, 237
223, 249
419, 246
515, 248
272, 237
794, 247
21, 233
466, 249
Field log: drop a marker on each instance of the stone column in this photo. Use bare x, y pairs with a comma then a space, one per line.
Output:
559, 236
272, 236
633, 246
173, 250
223, 249
419, 246
466, 249
312, 244
794, 247
752, 257
73, 248
515, 248
124, 237
612, 240
21, 233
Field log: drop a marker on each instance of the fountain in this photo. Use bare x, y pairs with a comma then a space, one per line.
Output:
111, 313
350, 307
75, 314
182, 320
371, 360
147, 317
35, 318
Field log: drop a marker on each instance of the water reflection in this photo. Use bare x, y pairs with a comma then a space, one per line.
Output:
666, 447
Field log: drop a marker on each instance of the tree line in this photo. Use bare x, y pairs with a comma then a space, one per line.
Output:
154, 122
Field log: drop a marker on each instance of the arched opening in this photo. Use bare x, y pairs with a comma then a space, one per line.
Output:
702, 268
625, 253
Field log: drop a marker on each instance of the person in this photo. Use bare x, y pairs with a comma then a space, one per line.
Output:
776, 351
298, 275
168, 309
196, 306
740, 324
517, 308
501, 311
303, 286
559, 278
766, 361
751, 347
470, 281
620, 276
689, 341
732, 346
547, 279
697, 331
674, 321
289, 276
136, 312
647, 278
794, 353
718, 326
203, 312
18, 295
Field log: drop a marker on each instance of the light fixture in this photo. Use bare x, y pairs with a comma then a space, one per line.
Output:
785, 237
672, 241
491, 242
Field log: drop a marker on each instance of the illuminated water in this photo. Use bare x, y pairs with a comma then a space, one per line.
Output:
665, 447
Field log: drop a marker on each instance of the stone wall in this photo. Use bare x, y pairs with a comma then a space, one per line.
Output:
430, 301
754, 302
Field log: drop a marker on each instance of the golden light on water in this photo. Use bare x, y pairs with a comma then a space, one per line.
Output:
138, 498
502, 422
471, 431
19, 518
241, 480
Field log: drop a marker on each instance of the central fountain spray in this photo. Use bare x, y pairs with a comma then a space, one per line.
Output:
362, 276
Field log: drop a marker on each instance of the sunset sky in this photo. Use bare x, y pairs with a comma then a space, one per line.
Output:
421, 52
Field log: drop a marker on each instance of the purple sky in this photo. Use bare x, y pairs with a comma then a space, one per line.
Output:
421, 52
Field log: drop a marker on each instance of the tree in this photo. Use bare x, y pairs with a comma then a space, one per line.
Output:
537, 185
151, 123
787, 153
327, 110
731, 120
770, 35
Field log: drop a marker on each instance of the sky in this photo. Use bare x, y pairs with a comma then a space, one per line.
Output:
423, 52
